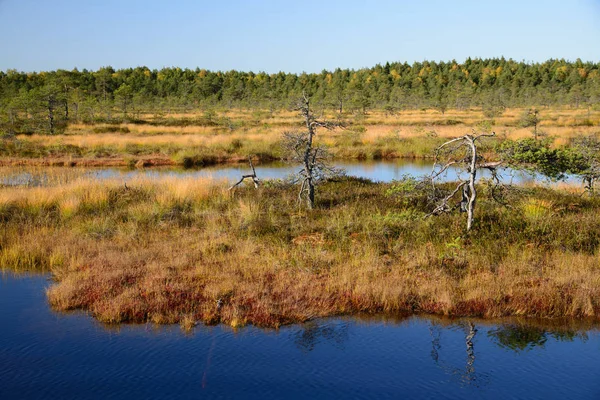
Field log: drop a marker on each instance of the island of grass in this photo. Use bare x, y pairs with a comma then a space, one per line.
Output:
183, 251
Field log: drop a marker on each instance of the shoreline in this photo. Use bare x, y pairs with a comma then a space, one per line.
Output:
581, 323
149, 162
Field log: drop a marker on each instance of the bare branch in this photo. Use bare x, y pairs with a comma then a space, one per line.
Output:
449, 142
444, 168
471, 161
484, 135
252, 176
443, 207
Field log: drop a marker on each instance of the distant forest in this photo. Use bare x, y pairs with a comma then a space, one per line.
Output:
47, 101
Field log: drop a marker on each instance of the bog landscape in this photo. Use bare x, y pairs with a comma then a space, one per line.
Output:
299, 200
153, 243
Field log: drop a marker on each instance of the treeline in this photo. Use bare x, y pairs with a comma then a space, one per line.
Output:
47, 101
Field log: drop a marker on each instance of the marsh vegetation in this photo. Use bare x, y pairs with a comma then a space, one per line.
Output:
172, 250
410, 135
181, 251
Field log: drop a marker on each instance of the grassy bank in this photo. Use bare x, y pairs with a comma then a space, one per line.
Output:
181, 251
190, 150
187, 141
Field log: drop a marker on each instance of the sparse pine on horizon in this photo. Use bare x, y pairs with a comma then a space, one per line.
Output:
26, 99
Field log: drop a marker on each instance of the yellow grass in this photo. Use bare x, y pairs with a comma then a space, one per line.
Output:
556, 123
376, 135
272, 136
120, 140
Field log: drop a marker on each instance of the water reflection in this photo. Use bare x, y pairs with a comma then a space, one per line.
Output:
53, 355
209, 357
467, 375
470, 375
525, 337
382, 171
517, 337
314, 332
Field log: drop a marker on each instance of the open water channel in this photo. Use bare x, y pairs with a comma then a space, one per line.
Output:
49, 355
381, 171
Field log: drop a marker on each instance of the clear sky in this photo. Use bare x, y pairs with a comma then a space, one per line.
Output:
290, 36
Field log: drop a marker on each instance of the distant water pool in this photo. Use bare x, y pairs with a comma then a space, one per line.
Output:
381, 171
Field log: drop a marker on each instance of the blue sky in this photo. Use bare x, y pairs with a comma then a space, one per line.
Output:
289, 36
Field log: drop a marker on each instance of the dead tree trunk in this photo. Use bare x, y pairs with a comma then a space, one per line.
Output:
299, 147
469, 160
308, 184
472, 192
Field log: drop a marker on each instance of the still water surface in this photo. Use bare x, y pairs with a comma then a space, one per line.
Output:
47, 355
382, 171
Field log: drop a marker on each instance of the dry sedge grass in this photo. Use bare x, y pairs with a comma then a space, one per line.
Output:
143, 129
121, 141
181, 251
233, 135
262, 138
554, 122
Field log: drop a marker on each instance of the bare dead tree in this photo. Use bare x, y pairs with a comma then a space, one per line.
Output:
251, 176
299, 147
460, 153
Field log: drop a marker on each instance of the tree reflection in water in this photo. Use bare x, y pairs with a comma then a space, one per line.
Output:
513, 336
520, 338
313, 333
467, 375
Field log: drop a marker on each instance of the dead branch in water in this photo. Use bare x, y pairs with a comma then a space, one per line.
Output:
251, 176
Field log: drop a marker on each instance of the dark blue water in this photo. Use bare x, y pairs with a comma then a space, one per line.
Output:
65, 356
381, 171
